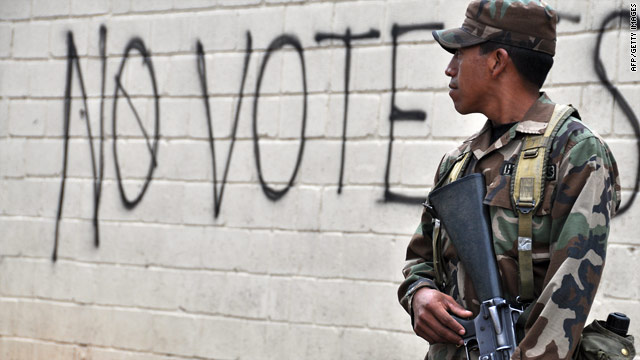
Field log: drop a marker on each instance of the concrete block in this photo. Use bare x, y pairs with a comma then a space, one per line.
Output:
364, 116
365, 162
218, 30
47, 79
622, 124
372, 68
13, 157
6, 40
55, 8
15, 10
234, 3
222, 112
15, 78
176, 117
621, 285
4, 117
448, 123
317, 116
264, 23
597, 109
573, 95
149, 5
57, 38
388, 346
120, 6
121, 30
321, 162
360, 17
574, 16
27, 118
570, 68
26, 237
42, 157
407, 101
91, 7
625, 153
305, 21
625, 73
420, 161
13, 348
421, 67
409, 13
622, 226
224, 74
193, 4
171, 34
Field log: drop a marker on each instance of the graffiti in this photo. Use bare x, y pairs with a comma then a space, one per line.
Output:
278, 44
618, 98
98, 171
398, 114
202, 71
346, 39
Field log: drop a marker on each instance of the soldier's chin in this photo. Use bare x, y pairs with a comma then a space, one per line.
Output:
461, 109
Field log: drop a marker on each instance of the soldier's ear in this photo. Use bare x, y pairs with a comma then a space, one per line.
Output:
498, 60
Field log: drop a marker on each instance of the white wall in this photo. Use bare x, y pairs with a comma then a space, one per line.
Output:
312, 275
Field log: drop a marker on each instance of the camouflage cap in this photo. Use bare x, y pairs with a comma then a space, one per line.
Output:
529, 24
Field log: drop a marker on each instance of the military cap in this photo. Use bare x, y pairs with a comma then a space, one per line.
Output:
529, 24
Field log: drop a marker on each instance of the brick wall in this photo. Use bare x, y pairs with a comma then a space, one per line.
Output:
306, 274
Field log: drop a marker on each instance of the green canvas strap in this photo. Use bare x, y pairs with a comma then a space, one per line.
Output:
527, 189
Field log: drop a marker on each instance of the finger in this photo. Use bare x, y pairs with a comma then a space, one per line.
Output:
427, 332
438, 329
452, 329
458, 310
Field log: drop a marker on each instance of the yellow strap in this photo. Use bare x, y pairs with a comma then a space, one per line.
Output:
527, 191
437, 254
459, 166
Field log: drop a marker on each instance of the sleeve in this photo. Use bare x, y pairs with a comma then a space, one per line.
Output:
586, 197
418, 270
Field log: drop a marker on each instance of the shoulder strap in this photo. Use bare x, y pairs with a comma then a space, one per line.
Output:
527, 190
460, 165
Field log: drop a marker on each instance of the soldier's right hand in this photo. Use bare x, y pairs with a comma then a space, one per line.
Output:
432, 320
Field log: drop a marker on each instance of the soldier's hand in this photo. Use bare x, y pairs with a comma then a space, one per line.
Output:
432, 319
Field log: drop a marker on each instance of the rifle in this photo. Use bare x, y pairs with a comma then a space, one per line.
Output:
459, 206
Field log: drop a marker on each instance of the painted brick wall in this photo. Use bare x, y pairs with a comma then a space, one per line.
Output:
311, 274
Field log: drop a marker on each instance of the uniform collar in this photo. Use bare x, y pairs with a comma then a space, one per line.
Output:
535, 121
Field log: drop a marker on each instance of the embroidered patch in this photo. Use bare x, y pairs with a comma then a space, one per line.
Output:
507, 169
550, 172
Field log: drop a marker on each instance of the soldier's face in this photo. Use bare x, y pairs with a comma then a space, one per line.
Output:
469, 75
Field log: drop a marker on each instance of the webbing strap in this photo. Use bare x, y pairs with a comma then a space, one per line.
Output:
528, 189
460, 165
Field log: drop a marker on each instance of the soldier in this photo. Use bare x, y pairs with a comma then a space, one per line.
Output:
501, 57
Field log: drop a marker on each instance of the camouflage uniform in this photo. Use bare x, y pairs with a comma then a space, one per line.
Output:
570, 231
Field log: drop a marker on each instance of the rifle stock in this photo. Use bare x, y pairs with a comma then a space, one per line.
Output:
459, 206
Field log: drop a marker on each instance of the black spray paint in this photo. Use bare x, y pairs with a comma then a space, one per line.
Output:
98, 171
277, 44
346, 39
618, 98
138, 45
401, 115
202, 71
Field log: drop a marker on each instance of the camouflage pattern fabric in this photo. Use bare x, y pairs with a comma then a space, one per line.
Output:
530, 24
570, 231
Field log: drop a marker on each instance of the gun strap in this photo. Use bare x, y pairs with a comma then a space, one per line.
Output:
527, 189
460, 165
